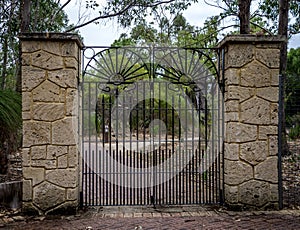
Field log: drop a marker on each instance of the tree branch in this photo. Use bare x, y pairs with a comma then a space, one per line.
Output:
59, 10
160, 3
217, 6
100, 17
133, 4
264, 29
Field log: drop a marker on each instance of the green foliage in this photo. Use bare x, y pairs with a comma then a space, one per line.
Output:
10, 125
10, 111
171, 31
263, 18
268, 9
45, 17
293, 60
292, 87
295, 132
133, 12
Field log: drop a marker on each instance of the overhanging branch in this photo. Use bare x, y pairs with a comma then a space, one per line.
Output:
128, 7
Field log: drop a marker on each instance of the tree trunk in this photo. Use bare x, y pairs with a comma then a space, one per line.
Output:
25, 15
4, 62
283, 30
25, 22
244, 16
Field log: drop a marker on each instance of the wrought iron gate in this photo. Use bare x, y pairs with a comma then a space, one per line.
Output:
152, 127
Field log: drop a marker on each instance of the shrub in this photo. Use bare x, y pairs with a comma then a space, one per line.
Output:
295, 132
10, 125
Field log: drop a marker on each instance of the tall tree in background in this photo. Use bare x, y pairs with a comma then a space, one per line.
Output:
292, 88
244, 16
25, 16
283, 31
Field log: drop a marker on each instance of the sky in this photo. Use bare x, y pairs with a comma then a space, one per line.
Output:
104, 34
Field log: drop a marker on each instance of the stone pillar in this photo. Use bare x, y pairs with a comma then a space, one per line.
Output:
50, 72
251, 121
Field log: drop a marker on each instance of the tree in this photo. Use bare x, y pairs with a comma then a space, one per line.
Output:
244, 16
292, 93
10, 123
11, 23
283, 31
130, 12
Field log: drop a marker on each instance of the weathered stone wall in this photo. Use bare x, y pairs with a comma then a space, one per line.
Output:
50, 71
251, 121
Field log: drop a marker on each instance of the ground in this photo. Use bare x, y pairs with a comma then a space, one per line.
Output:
187, 217
291, 176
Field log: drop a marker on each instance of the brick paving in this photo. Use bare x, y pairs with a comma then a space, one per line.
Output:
183, 218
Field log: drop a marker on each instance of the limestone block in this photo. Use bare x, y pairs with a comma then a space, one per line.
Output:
26, 101
26, 115
274, 77
32, 77
232, 106
256, 193
269, 45
265, 131
54, 151
38, 152
269, 57
66, 207
268, 93
239, 93
232, 76
274, 193
25, 157
267, 170
71, 62
37, 175
70, 49
73, 156
30, 47
48, 111
72, 102
274, 113
66, 178
238, 132
64, 78
27, 190
255, 75
46, 92
232, 116
63, 132
237, 172
62, 95
273, 145
47, 164
255, 111
239, 55
62, 162
231, 151
26, 59
47, 61
231, 194
47, 195
72, 194
36, 133
52, 47
254, 152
